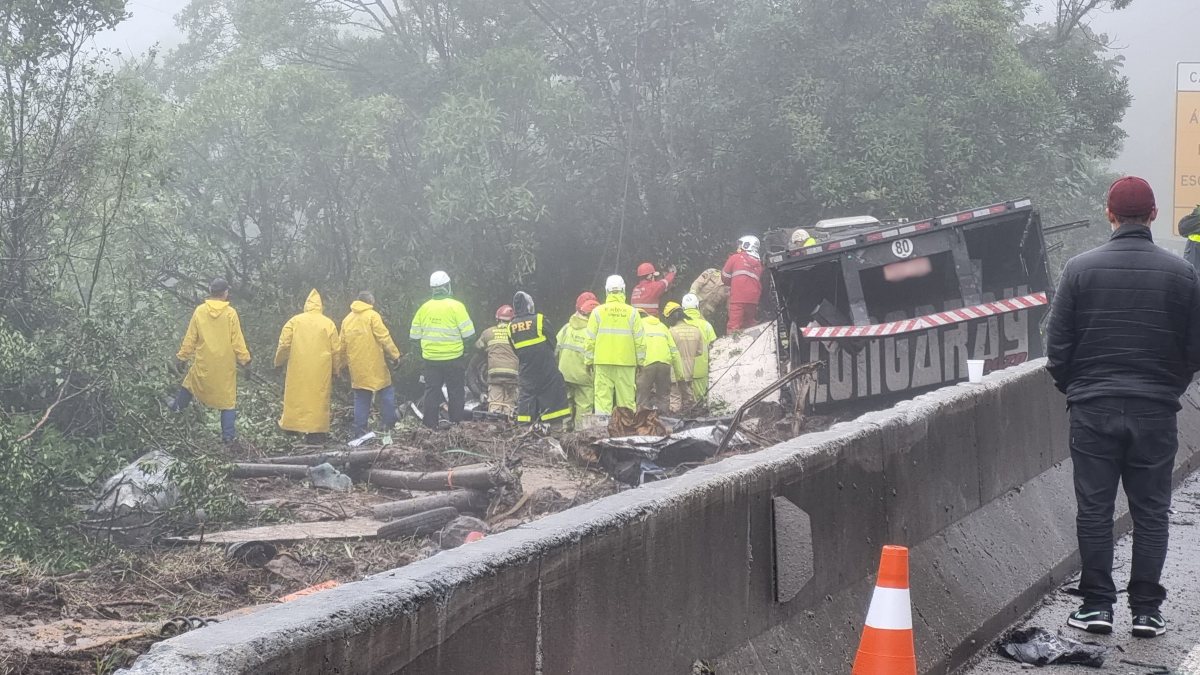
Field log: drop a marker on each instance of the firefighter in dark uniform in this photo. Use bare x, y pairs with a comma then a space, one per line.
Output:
543, 396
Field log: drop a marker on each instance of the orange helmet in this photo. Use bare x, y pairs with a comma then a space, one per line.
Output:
646, 269
585, 299
505, 313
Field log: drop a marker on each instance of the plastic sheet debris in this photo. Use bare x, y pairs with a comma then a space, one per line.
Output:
323, 586
329, 478
136, 497
625, 422
361, 439
634, 459
1040, 647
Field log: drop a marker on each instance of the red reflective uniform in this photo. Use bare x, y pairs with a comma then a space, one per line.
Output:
743, 275
647, 295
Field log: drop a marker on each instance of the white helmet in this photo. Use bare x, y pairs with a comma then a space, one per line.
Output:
749, 244
614, 284
799, 236
439, 278
691, 301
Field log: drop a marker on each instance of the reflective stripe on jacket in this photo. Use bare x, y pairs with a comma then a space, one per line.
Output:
441, 325
502, 360
615, 336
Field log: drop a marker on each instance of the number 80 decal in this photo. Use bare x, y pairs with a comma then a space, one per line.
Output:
902, 248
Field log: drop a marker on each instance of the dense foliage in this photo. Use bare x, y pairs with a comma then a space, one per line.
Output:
350, 144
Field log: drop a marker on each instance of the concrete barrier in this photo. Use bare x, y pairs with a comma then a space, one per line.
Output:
972, 478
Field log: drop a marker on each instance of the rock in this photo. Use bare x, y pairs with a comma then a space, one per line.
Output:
326, 477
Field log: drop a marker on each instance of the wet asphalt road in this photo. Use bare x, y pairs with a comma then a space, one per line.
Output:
1178, 651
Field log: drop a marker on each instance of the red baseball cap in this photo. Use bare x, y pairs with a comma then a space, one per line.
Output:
1131, 197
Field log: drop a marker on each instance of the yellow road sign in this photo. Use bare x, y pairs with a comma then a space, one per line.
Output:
1187, 141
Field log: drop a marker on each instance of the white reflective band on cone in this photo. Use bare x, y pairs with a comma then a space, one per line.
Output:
890, 609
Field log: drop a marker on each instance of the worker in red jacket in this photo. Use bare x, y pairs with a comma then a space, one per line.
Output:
647, 295
743, 275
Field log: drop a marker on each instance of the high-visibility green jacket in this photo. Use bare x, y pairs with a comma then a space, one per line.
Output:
660, 345
615, 336
441, 325
695, 318
571, 349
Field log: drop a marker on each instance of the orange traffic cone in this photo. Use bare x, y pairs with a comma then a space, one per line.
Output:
886, 647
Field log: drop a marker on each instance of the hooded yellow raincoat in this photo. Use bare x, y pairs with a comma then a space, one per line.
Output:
365, 341
310, 346
214, 344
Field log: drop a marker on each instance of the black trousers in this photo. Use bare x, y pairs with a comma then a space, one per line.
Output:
452, 374
1130, 441
543, 395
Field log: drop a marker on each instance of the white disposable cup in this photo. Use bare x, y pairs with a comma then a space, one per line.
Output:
974, 371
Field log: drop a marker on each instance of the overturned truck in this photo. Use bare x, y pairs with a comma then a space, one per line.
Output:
896, 309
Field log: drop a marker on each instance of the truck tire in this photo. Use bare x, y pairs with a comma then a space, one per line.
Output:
477, 375
418, 525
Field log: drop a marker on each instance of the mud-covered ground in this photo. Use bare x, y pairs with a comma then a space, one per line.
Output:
98, 620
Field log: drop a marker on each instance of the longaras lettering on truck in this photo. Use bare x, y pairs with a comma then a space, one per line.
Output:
913, 361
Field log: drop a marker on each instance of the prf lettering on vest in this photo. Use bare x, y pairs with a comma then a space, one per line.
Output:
523, 325
875, 366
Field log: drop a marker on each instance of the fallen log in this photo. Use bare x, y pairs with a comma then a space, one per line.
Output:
242, 470
418, 525
473, 476
336, 458
463, 500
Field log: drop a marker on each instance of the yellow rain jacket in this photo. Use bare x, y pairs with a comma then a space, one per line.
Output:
695, 318
441, 325
310, 346
365, 341
214, 344
571, 346
615, 336
660, 345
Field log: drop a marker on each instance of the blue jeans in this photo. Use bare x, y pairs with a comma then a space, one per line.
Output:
362, 408
228, 417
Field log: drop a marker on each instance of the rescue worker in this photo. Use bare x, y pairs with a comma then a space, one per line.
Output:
743, 275
689, 340
215, 346
571, 348
800, 239
712, 291
368, 346
543, 393
691, 310
649, 292
442, 325
310, 346
616, 348
502, 364
1189, 226
661, 365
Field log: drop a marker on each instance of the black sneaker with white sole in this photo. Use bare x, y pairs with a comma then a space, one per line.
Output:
1149, 625
1092, 620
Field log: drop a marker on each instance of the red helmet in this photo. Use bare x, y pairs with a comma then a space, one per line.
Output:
646, 269
505, 313
585, 298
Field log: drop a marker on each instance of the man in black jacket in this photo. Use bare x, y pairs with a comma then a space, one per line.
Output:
1123, 343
